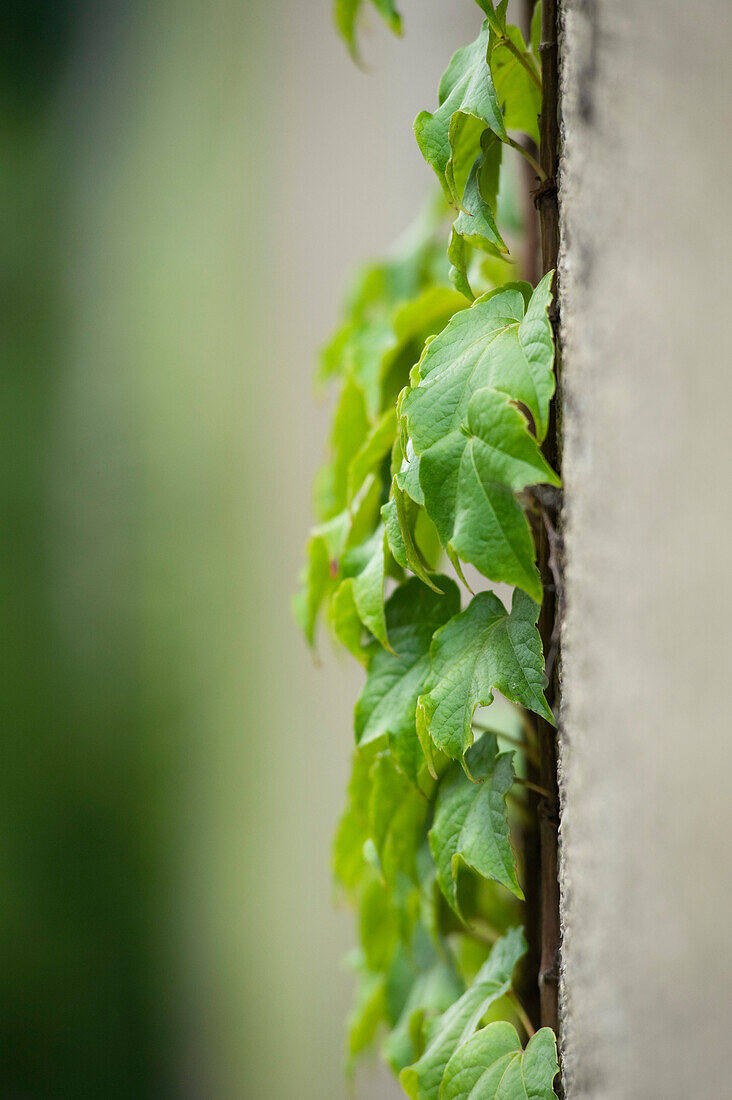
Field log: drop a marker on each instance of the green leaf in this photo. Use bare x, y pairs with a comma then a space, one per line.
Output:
397, 813
394, 536
391, 309
495, 14
408, 477
467, 103
386, 706
315, 580
412, 323
372, 452
408, 514
475, 225
346, 14
492, 1066
379, 923
359, 599
350, 431
327, 544
366, 1015
422, 1080
504, 341
431, 993
518, 94
425, 314
353, 828
320, 575
483, 648
469, 479
471, 824
536, 28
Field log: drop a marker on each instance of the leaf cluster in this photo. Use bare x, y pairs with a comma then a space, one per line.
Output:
443, 364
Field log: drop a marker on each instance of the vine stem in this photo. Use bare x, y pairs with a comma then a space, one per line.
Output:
543, 791
482, 932
522, 59
517, 741
522, 1015
528, 157
550, 614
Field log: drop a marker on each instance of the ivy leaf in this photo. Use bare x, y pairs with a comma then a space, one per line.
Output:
397, 813
408, 515
422, 1080
495, 14
394, 536
431, 993
426, 313
371, 453
467, 103
386, 706
469, 479
475, 224
471, 824
315, 580
536, 29
513, 69
386, 301
366, 1014
519, 94
492, 1066
349, 863
319, 577
350, 431
483, 648
346, 16
504, 340
359, 599
408, 477
326, 546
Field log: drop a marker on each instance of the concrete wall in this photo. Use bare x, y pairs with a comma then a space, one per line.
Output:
646, 195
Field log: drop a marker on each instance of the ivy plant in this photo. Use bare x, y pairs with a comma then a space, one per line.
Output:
444, 368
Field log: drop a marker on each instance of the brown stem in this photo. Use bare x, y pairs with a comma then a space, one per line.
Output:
531, 786
530, 160
546, 201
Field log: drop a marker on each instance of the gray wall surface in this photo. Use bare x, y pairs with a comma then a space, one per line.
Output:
646, 759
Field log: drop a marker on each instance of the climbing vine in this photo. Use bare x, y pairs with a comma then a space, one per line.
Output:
442, 455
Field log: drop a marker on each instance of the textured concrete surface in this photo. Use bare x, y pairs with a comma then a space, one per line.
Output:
646, 762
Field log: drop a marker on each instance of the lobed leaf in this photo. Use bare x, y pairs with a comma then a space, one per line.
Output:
385, 710
519, 94
482, 649
350, 431
475, 225
352, 833
359, 599
495, 14
471, 823
492, 1066
327, 546
397, 813
469, 480
421, 1081
467, 104
432, 992
504, 341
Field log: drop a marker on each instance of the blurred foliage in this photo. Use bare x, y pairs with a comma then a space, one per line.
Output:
80, 879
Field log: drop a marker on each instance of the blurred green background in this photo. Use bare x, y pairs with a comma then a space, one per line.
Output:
185, 187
